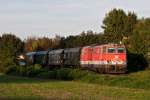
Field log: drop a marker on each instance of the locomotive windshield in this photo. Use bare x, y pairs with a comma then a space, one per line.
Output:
121, 50
111, 50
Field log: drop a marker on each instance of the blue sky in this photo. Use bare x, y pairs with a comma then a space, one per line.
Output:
26, 18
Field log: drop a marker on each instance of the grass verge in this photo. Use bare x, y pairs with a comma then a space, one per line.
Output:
21, 88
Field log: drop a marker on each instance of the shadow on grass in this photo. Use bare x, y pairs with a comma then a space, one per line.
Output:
23, 98
19, 79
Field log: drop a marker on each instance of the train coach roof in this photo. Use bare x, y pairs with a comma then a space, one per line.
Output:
72, 49
56, 51
86, 47
30, 53
41, 52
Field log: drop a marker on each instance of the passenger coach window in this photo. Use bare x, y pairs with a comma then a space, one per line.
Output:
120, 50
111, 50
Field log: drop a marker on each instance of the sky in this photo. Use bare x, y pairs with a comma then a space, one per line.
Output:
26, 18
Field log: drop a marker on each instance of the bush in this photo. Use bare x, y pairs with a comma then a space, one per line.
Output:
63, 74
12, 69
136, 62
33, 70
22, 71
90, 78
59, 74
68, 74
78, 74
30, 71
37, 67
16, 70
47, 75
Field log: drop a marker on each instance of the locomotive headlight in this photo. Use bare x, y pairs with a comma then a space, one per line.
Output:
113, 62
124, 62
120, 62
110, 62
21, 57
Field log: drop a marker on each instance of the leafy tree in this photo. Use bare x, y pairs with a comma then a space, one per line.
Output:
56, 41
39, 44
85, 38
118, 24
131, 21
29, 45
10, 47
114, 22
140, 39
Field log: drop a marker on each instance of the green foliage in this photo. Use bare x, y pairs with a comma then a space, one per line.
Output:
37, 67
12, 69
23, 71
39, 44
85, 38
63, 74
59, 74
33, 70
29, 71
140, 40
46, 75
118, 24
131, 22
114, 22
10, 47
78, 74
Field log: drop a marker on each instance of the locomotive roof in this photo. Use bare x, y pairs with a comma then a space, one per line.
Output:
105, 44
114, 44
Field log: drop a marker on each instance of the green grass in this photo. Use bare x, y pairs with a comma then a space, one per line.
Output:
13, 87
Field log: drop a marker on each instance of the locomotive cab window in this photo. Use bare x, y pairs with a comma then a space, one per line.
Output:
120, 50
111, 50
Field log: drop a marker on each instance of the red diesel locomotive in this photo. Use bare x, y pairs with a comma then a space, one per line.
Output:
107, 58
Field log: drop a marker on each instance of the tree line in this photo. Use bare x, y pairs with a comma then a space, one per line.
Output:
118, 26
